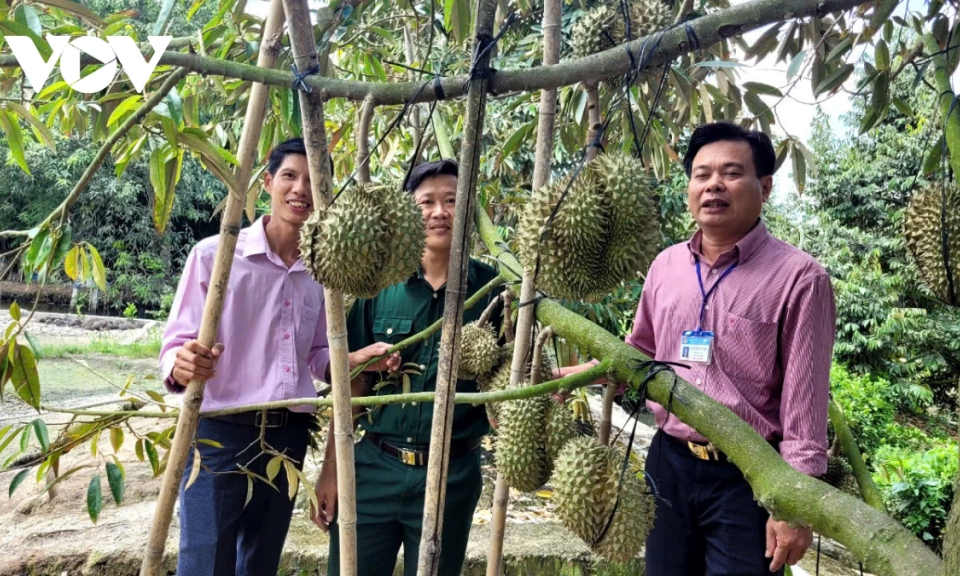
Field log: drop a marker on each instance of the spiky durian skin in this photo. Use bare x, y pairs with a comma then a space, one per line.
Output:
370, 238
607, 229
930, 212
479, 353
521, 445
586, 479
560, 430
596, 31
837, 469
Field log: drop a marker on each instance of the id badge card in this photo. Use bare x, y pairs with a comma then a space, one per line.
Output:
696, 346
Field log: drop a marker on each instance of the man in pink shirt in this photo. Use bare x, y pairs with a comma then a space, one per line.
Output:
754, 320
272, 344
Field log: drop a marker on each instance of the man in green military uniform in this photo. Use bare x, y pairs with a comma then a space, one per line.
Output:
391, 459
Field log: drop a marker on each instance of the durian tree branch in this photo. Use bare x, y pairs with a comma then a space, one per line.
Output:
430, 330
305, 58
884, 546
105, 148
709, 29
213, 307
440, 432
868, 489
949, 112
565, 384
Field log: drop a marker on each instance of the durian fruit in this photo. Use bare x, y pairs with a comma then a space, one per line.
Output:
586, 479
499, 378
851, 486
479, 353
607, 229
596, 31
924, 231
521, 443
560, 429
372, 237
840, 475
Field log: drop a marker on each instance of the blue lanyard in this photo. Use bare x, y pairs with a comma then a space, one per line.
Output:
706, 294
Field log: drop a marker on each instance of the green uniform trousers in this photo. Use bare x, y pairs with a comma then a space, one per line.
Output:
390, 498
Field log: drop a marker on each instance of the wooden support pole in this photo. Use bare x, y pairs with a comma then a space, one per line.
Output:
321, 181
439, 459
541, 176
363, 140
213, 307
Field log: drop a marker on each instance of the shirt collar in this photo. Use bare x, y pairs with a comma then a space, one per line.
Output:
471, 273
745, 248
256, 243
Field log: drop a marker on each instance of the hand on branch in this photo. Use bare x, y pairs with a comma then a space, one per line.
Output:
364, 355
195, 361
786, 545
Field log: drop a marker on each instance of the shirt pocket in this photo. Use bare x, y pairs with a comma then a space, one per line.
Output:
392, 329
746, 349
306, 328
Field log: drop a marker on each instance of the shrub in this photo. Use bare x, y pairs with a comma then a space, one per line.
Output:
867, 404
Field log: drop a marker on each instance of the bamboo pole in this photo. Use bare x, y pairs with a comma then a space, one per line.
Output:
318, 158
213, 307
439, 451
525, 317
363, 140
606, 414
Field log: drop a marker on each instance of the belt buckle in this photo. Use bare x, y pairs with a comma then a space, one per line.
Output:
701, 452
262, 419
408, 457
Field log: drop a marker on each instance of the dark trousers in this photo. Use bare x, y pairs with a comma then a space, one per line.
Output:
390, 498
220, 535
712, 525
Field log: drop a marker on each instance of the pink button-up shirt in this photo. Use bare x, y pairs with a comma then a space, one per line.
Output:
273, 329
774, 319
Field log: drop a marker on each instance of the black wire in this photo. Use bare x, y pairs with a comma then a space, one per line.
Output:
818, 555
300, 77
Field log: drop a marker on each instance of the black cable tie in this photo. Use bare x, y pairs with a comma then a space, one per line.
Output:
299, 78
691, 36
531, 302
438, 89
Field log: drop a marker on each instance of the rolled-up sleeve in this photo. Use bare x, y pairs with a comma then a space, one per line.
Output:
319, 356
186, 313
806, 348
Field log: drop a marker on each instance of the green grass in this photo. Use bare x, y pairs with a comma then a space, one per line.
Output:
149, 348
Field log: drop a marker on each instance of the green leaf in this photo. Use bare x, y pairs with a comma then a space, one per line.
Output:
158, 399
99, 272
116, 439
6, 442
64, 243
70, 263
28, 16
934, 158
43, 133
293, 482
15, 311
841, 48
94, 498
799, 170
34, 344
115, 479
902, 106
795, 64
882, 56
26, 380
209, 442
273, 467
249, 491
166, 11
128, 105
835, 80
12, 28
40, 427
194, 469
175, 106
760, 88
11, 127
138, 449
34, 251
152, 456
881, 12
456, 18
212, 158
85, 264
25, 438
17, 481
75, 8
163, 175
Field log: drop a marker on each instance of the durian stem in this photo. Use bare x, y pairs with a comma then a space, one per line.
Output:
189, 417
868, 489
593, 119
508, 329
488, 312
606, 415
321, 182
363, 140
536, 366
884, 546
421, 336
439, 452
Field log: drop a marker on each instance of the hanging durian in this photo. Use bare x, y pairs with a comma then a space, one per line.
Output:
586, 479
499, 378
372, 237
840, 475
607, 230
932, 229
479, 353
604, 27
521, 443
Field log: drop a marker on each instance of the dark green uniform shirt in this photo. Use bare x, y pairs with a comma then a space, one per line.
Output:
396, 313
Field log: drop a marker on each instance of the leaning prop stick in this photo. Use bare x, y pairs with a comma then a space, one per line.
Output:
213, 307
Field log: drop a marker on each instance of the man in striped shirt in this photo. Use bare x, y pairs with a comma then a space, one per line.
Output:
754, 319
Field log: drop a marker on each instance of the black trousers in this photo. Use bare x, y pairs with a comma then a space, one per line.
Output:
221, 533
707, 520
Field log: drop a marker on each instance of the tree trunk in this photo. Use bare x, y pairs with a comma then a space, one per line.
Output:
213, 307
951, 540
321, 182
880, 542
439, 451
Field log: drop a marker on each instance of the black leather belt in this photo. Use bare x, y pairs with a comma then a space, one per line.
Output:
266, 418
418, 456
706, 451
